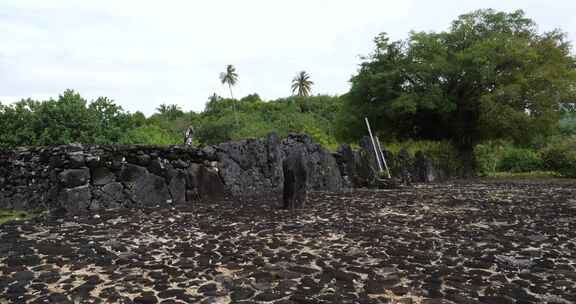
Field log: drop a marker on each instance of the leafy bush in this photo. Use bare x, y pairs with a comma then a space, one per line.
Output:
515, 159
150, 134
560, 156
568, 124
488, 156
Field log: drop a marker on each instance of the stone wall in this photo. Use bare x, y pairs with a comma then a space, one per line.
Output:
359, 168
81, 178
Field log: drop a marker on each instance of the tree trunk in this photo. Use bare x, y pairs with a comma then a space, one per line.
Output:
230, 88
466, 155
234, 107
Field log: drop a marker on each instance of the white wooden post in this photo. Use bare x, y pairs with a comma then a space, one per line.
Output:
383, 158
373, 144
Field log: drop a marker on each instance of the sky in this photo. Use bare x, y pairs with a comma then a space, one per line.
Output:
145, 53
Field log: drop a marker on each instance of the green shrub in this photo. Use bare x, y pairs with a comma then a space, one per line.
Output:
520, 160
560, 156
487, 156
150, 135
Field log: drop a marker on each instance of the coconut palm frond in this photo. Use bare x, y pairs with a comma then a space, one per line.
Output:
301, 84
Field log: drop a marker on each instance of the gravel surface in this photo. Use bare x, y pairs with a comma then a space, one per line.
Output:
461, 242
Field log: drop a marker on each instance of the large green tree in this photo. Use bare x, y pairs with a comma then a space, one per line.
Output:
490, 75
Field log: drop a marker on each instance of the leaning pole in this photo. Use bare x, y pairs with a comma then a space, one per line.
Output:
383, 158
373, 144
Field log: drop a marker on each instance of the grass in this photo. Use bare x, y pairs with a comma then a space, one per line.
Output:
15, 215
526, 175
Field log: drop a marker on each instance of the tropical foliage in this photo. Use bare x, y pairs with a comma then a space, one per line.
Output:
490, 75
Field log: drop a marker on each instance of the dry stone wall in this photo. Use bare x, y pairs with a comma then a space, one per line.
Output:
81, 178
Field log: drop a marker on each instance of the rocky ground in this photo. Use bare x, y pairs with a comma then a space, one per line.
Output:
479, 242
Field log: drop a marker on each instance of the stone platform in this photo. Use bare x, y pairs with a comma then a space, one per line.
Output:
473, 242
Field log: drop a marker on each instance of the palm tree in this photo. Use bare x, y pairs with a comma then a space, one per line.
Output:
301, 84
230, 77
171, 111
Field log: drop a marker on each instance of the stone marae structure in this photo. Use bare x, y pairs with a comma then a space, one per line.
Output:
81, 178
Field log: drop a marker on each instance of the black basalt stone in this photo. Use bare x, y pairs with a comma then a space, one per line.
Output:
209, 183
102, 176
295, 181
75, 200
146, 299
74, 177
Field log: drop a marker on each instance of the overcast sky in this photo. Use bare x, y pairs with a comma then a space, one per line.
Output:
144, 53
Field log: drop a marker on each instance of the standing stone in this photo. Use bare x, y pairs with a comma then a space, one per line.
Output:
404, 162
143, 187
295, 179
424, 170
345, 160
365, 164
209, 183
177, 186
192, 173
322, 168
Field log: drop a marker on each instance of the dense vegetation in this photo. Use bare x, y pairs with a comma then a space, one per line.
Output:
490, 94
71, 118
490, 76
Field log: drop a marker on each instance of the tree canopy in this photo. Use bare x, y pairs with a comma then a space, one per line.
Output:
490, 75
72, 119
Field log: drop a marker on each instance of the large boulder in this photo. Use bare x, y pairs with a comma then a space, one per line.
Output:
110, 195
76, 160
251, 166
102, 176
71, 178
144, 188
75, 200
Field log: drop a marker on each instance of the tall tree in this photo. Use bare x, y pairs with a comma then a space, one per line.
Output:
301, 84
491, 75
230, 77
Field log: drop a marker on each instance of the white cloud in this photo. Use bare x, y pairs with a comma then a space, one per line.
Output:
142, 53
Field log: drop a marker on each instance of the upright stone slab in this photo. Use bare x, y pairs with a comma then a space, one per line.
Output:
405, 166
295, 181
323, 171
